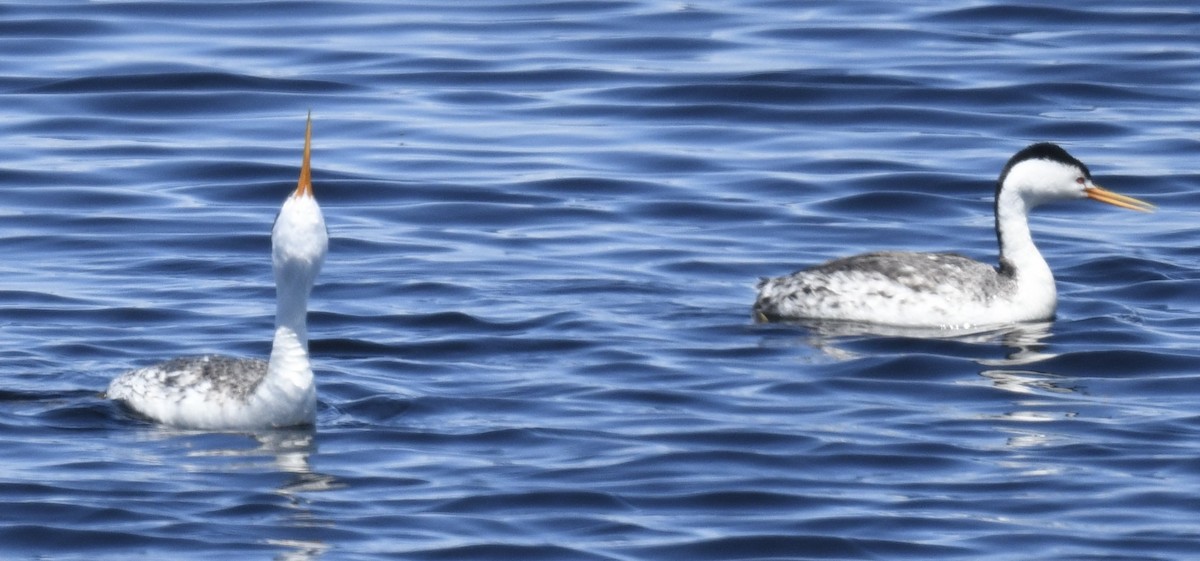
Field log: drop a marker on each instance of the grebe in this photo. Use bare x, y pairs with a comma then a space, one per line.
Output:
946, 290
224, 393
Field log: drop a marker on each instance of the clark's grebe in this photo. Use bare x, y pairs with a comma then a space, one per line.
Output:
944, 289
223, 393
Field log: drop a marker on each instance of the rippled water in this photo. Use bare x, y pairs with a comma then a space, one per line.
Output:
532, 333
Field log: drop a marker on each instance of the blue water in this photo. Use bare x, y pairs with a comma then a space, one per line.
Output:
533, 334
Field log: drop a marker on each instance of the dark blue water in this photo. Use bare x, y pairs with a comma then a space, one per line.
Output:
532, 334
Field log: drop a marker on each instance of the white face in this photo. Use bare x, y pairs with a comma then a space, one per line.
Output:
1042, 181
299, 239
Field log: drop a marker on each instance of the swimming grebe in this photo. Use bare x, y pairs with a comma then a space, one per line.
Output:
945, 289
224, 393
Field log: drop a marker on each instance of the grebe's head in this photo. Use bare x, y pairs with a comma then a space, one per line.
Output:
1044, 172
299, 239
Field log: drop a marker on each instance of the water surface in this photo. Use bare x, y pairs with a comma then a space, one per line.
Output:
532, 333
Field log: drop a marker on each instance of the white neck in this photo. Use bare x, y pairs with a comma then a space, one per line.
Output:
289, 373
289, 355
289, 386
1019, 257
289, 351
292, 286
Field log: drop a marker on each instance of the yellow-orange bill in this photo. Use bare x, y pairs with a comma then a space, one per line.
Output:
1105, 196
304, 187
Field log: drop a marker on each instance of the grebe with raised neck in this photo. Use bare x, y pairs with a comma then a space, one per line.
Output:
225, 393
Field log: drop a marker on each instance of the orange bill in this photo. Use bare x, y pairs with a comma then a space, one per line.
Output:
1103, 195
304, 188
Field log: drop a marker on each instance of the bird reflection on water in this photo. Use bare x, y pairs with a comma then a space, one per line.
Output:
838, 339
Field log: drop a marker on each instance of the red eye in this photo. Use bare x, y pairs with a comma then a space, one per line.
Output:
1080, 180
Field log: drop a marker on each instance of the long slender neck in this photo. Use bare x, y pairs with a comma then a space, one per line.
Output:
291, 302
289, 350
1019, 257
